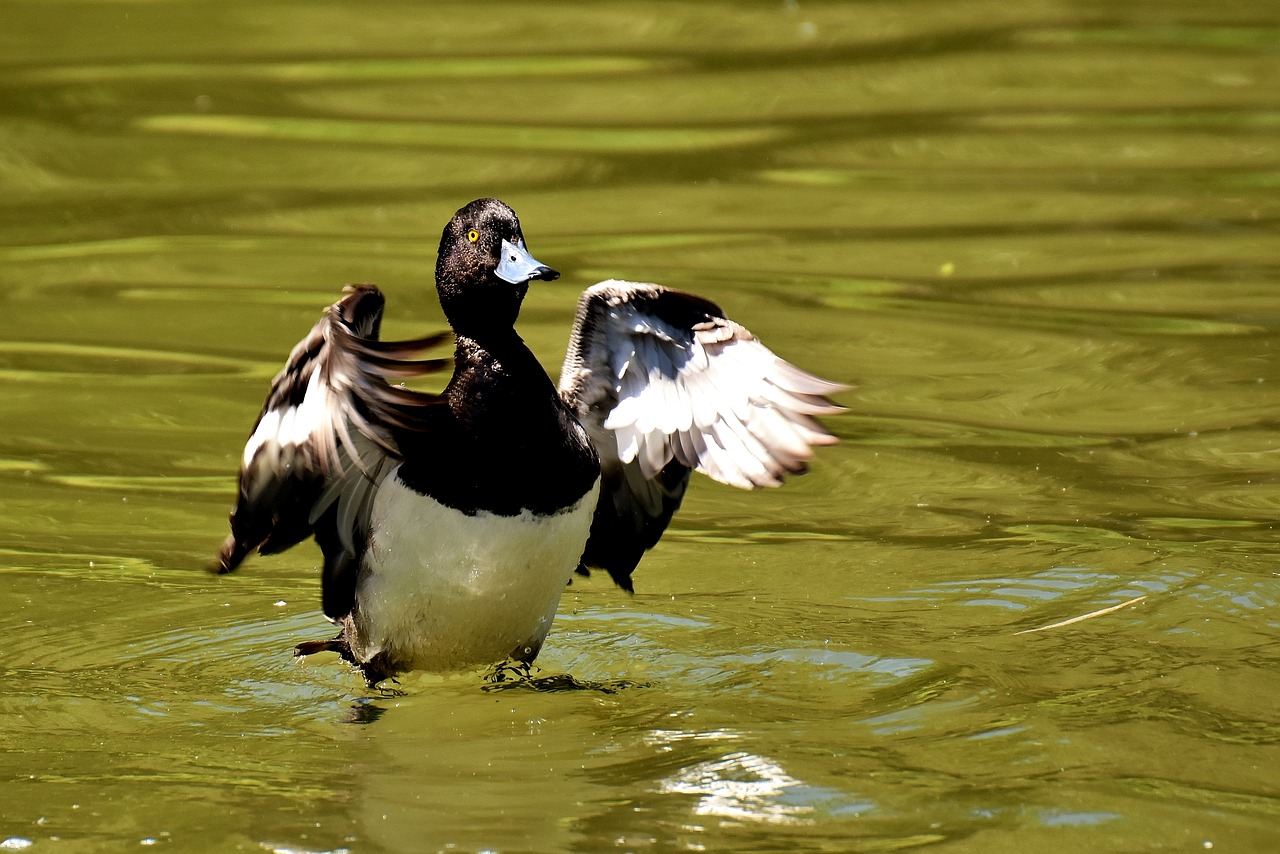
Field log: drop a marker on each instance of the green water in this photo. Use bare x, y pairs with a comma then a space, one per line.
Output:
1040, 238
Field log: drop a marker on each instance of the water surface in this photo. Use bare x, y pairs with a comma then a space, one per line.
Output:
1040, 239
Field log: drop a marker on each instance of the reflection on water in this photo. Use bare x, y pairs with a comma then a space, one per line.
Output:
1028, 603
740, 786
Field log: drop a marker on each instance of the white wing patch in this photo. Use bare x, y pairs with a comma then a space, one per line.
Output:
293, 425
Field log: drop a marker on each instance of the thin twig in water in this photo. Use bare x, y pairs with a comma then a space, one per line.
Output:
1088, 616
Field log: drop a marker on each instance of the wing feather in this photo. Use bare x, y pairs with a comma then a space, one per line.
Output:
325, 439
664, 383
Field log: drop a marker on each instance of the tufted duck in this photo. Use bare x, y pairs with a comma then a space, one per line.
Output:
451, 523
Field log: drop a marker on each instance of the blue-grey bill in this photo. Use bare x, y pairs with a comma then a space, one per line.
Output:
518, 266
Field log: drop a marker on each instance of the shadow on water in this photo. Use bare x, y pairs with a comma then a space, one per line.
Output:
366, 709
515, 675
507, 676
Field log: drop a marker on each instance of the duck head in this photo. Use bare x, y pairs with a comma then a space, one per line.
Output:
483, 269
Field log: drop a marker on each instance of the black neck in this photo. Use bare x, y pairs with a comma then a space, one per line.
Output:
505, 442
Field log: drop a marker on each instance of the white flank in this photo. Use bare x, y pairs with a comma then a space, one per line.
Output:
442, 590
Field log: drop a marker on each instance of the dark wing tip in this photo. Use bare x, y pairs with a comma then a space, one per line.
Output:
230, 555
623, 581
621, 576
360, 309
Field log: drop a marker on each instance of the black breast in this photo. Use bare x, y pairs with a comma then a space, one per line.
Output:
504, 443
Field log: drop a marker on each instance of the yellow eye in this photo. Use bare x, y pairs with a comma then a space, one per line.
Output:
473, 235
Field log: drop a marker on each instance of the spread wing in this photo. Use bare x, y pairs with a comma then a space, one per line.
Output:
664, 384
325, 439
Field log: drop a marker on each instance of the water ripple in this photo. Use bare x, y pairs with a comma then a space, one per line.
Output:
467, 136
27, 360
